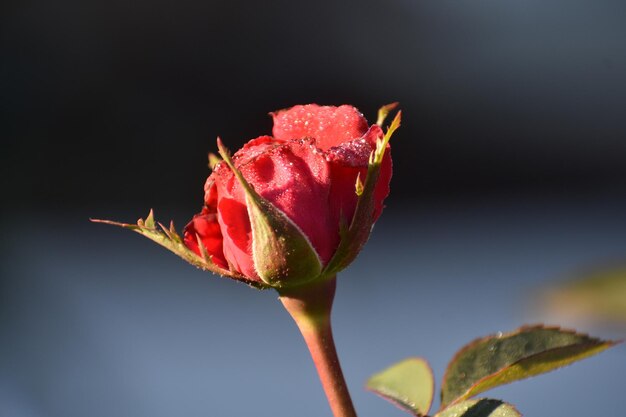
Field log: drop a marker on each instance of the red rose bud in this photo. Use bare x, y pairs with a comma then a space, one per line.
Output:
291, 208
280, 251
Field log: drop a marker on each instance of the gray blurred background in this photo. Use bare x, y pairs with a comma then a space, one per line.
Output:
509, 175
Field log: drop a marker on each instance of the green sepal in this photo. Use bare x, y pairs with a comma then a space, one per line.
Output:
384, 111
409, 384
354, 236
213, 161
483, 407
504, 358
282, 254
169, 238
358, 186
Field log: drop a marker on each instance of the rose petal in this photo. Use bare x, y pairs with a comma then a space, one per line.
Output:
295, 178
253, 148
250, 150
329, 125
205, 226
349, 160
356, 152
235, 224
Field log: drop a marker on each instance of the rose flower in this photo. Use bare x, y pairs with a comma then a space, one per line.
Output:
293, 207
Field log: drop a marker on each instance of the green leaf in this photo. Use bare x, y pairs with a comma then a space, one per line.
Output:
504, 358
598, 294
480, 408
409, 384
171, 240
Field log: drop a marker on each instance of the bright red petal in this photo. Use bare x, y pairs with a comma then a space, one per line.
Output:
233, 218
295, 178
205, 226
349, 160
328, 125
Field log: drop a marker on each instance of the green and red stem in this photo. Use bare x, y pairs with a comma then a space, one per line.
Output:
310, 307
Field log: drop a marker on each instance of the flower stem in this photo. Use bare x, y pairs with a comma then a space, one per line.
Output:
310, 307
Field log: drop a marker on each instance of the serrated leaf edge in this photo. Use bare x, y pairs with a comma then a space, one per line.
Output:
593, 349
473, 343
171, 240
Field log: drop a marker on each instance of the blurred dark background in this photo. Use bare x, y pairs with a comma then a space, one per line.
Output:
509, 171
120, 101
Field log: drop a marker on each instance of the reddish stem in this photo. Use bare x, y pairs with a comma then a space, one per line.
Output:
310, 307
